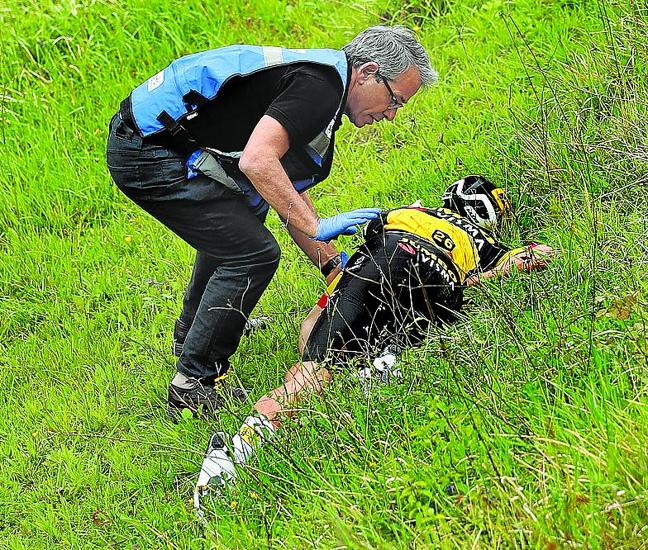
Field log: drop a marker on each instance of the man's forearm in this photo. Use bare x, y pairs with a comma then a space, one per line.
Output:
270, 180
318, 252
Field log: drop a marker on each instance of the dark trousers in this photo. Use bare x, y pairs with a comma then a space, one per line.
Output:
236, 255
392, 288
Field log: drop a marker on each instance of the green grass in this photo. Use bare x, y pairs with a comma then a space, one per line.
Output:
524, 425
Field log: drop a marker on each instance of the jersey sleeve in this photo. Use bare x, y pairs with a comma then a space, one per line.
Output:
508, 255
307, 102
376, 226
491, 256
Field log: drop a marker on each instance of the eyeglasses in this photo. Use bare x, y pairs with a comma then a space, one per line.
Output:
394, 103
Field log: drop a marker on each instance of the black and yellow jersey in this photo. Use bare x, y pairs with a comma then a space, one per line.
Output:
410, 271
469, 247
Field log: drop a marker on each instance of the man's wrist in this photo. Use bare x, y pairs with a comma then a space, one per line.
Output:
329, 266
313, 229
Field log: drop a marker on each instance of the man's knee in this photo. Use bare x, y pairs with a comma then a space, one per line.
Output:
323, 375
274, 254
268, 258
312, 374
292, 372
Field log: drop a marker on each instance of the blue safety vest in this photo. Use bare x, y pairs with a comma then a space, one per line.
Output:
176, 94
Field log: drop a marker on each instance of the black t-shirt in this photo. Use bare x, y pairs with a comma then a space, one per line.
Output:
302, 97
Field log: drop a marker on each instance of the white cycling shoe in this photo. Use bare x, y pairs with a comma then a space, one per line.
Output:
217, 469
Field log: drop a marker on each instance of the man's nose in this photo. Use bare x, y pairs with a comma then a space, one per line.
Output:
390, 114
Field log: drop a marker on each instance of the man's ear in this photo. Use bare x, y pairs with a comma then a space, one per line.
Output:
367, 71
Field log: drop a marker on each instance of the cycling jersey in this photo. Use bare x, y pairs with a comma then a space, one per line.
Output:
410, 272
465, 244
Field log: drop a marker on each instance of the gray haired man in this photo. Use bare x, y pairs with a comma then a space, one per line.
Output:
213, 141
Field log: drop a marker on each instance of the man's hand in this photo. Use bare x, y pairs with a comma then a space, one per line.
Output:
334, 266
345, 223
536, 256
533, 258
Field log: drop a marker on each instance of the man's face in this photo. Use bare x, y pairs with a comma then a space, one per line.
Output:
369, 99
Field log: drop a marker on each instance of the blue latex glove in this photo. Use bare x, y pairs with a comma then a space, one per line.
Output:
345, 223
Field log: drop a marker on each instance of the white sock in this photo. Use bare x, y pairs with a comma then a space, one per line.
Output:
255, 431
183, 382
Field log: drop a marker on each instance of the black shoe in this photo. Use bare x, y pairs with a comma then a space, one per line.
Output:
200, 399
181, 329
224, 387
203, 399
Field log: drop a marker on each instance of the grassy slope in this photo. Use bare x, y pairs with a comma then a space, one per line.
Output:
526, 425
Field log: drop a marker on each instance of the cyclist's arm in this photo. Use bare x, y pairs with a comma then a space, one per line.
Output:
529, 258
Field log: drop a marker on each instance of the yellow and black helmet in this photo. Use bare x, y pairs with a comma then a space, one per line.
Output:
479, 200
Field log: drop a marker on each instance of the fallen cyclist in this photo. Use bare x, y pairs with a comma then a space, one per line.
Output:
410, 272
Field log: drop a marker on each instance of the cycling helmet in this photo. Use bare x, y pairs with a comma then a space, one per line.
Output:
479, 200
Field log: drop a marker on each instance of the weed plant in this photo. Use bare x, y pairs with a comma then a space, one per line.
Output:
524, 425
